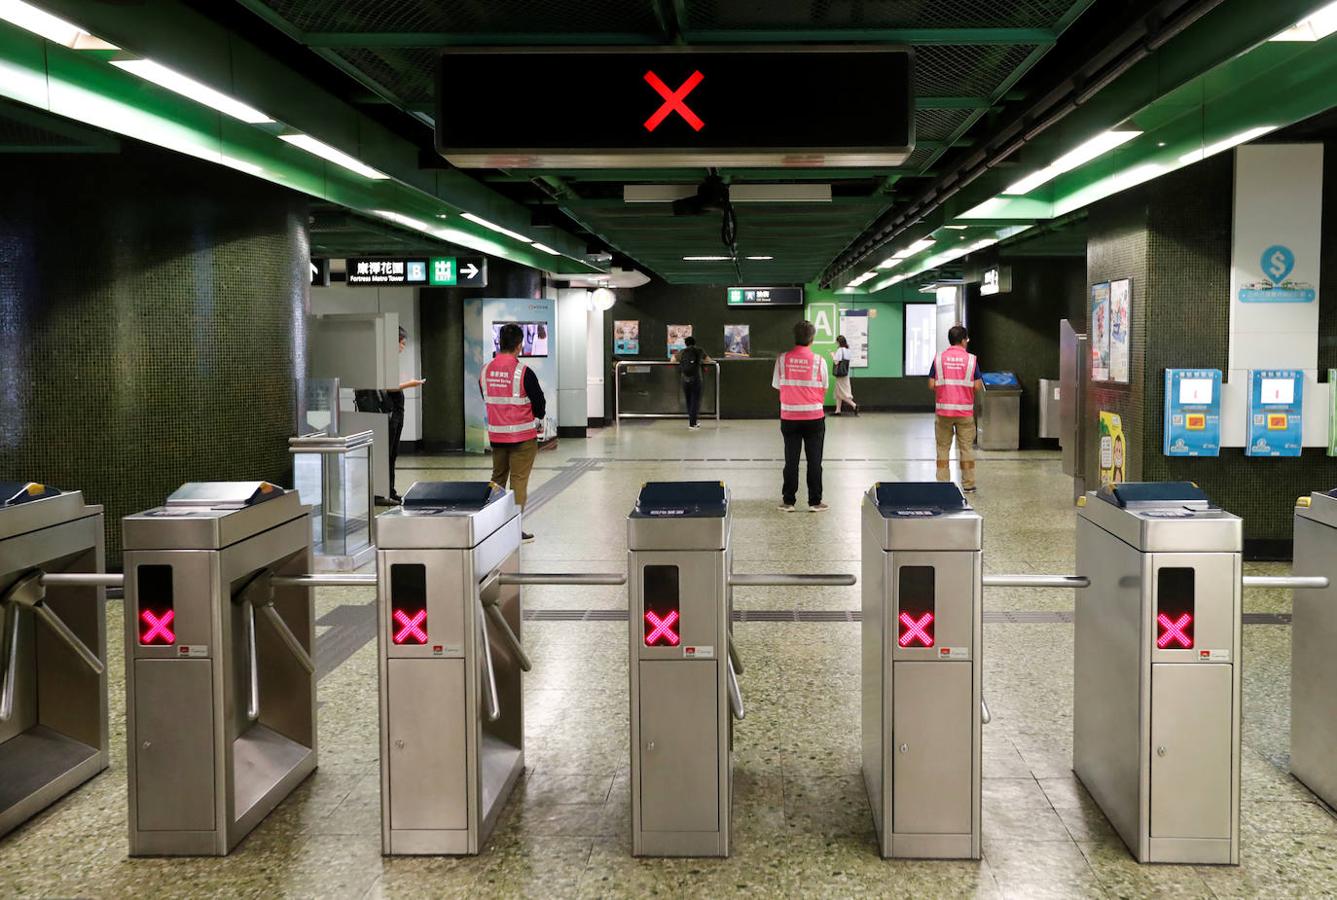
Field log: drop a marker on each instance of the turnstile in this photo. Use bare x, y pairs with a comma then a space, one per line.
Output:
1313, 635
220, 685
53, 683
922, 634
452, 722
1156, 700
682, 680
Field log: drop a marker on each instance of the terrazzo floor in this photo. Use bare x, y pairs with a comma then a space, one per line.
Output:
802, 823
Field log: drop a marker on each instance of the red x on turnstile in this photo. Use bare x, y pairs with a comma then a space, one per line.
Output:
1174, 631
673, 101
157, 629
411, 629
916, 629
661, 628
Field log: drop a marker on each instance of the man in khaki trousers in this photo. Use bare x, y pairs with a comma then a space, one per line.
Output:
954, 380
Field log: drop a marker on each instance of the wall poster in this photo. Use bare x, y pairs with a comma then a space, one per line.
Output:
1100, 331
854, 326
1113, 449
677, 338
1332, 412
737, 341
626, 337
1121, 320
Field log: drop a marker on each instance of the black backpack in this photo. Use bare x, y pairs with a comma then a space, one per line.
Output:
689, 363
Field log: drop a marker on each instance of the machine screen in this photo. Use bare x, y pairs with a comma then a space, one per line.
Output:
916, 605
1278, 391
663, 626
157, 606
1195, 391
1174, 609
408, 603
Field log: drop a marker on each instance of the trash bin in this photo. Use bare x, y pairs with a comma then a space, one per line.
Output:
1000, 412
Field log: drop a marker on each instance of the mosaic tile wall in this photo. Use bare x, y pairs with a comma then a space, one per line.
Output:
1175, 233
151, 326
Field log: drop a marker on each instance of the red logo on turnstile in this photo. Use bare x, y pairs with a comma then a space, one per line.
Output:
673, 101
661, 630
156, 629
410, 631
916, 630
1176, 631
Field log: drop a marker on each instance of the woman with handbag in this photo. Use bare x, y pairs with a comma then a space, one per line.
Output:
844, 392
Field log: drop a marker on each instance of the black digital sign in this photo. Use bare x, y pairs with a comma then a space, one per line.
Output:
797, 106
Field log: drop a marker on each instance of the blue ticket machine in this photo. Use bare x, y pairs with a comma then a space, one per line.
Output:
1192, 412
1275, 399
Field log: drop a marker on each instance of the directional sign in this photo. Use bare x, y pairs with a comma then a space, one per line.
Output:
765, 296
461, 271
381, 271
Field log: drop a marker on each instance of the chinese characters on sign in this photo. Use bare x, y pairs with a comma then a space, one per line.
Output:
377, 272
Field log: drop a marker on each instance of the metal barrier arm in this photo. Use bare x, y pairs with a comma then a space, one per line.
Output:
609, 578
1037, 581
734, 659
1294, 582
735, 693
11, 651
289, 639
332, 579
494, 613
28, 593
985, 716
783, 580
82, 579
490, 681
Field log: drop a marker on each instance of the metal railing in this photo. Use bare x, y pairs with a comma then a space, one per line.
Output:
623, 364
1037, 581
779, 579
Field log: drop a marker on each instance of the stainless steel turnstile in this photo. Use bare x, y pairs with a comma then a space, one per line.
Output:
922, 634
53, 683
220, 685
452, 718
1156, 701
1313, 637
684, 666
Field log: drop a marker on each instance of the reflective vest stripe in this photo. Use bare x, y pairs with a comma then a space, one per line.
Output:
955, 396
510, 429
794, 382
509, 412
800, 407
507, 401
968, 407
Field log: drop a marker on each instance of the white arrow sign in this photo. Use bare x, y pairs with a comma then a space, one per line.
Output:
469, 271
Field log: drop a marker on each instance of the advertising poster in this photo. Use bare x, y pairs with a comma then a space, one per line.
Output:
1192, 412
1276, 397
1113, 449
1100, 331
677, 338
626, 337
1121, 320
737, 341
1332, 412
854, 325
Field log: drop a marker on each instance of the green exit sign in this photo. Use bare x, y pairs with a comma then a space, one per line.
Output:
442, 271
765, 296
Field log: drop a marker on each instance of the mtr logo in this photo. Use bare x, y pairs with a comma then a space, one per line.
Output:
673, 101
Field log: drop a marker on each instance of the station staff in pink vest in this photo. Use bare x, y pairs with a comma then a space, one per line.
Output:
515, 407
801, 378
954, 380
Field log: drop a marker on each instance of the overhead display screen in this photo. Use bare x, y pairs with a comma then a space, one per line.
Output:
795, 106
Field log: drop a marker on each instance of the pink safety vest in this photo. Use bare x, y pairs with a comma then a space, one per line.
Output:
800, 375
955, 372
510, 417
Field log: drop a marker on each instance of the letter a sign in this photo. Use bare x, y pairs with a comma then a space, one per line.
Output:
824, 317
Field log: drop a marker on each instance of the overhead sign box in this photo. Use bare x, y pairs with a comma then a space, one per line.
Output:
765, 296
384, 271
787, 107
997, 280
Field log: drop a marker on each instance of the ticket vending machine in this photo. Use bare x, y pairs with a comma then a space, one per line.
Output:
682, 680
1313, 662
1156, 699
452, 722
53, 683
220, 685
922, 632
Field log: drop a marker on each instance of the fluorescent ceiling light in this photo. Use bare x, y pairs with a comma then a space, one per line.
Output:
326, 152
493, 226
1233, 141
241, 165
406, 221
918, 247
706, 258
546, 249
956, 227
890, 262
760, 257
871, 273
164, 77
1312, 28
42, 23
1097, 146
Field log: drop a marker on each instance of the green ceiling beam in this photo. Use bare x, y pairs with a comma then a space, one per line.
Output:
921, 36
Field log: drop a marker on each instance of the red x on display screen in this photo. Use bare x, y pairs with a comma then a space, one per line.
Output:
916, 607
1174, 609
157, 606
408, 603
663, 616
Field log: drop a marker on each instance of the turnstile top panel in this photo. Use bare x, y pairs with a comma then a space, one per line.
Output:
680, 515
1175, 517
1322, 508
26, 506
445, 515
922, 515
206, 515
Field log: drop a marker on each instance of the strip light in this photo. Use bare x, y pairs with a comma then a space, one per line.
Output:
871, 273
493, 226
546, 249
56, 30
174, 81
760, 258
1233, 141
1314, 27
1097, 146
706, 258
338, 157
406, 221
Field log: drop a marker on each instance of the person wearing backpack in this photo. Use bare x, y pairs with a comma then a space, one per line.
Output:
692, 361
844, 391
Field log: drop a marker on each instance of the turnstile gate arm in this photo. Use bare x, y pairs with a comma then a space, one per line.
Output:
252, 664
1037, 581
733, 655
11, 670
289, 639
329, 579
779, 579
610, 578
735, 693
490, 679
82, 579
28, 593
985, 716
1295, 582
494, 613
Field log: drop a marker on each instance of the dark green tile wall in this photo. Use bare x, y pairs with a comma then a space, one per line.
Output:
151, 326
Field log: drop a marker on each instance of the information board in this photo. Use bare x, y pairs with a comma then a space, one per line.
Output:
1276, 397
1192, 412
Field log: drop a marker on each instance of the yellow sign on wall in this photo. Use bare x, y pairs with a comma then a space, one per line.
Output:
1113, 449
